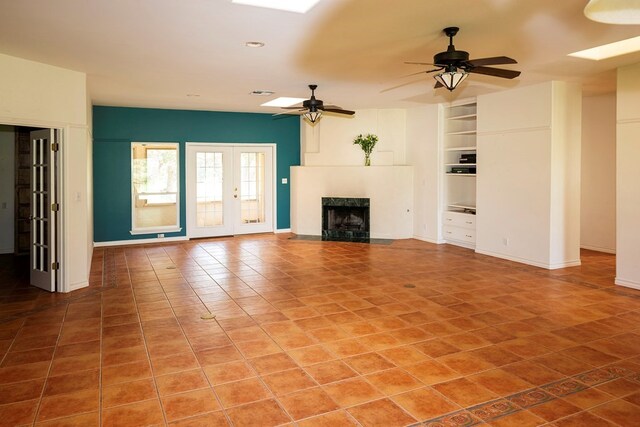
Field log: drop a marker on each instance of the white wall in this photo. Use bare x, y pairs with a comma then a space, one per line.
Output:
628, 177
598, 177
330, 141
528, 175
423, 154
7, 189
389, 188
35, 94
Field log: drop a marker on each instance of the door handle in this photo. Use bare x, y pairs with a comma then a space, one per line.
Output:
235, 196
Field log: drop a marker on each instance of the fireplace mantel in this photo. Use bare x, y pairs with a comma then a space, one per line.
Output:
389, 188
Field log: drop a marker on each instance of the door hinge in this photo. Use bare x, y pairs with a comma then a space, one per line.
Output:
54, 146
55, 207
55, 266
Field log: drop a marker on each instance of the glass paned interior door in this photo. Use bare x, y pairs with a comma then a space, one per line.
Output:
40, 204
43, 218
252, 188
209, 189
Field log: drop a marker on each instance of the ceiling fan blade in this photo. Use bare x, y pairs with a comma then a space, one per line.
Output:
296, 113
423, 72
496, 72
420, 63
495, 60
292, 108
400, 85
324, 107
438, 85
338, 111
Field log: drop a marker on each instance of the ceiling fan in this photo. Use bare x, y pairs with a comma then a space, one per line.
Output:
455, 65
312, 108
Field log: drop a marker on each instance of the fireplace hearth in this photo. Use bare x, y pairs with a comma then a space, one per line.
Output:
345, 219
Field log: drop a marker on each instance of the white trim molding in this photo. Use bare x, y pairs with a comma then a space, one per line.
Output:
627, 283
598, 249
282, 230
139, 241
574, 263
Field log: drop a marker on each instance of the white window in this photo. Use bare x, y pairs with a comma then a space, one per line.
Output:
154, 188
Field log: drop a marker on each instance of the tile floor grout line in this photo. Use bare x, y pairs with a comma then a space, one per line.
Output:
44, 385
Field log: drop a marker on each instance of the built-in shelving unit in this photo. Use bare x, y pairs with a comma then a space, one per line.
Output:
460, 169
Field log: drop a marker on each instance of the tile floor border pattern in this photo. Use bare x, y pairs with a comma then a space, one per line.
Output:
495, 409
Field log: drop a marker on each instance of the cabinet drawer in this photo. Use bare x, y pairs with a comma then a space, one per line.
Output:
458, 233
459, 220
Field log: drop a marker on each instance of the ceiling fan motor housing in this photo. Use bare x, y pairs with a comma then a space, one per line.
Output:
451, 57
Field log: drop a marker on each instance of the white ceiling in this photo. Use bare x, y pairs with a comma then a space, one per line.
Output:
152, 53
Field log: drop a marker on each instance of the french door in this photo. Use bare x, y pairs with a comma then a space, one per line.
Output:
229, 189
44, 209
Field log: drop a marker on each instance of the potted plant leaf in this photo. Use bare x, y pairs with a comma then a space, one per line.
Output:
366, 142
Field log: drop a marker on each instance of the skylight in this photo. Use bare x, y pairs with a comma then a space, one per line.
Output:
298, 6
283, 101
609, 50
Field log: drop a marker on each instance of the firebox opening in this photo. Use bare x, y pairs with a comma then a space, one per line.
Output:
345, 219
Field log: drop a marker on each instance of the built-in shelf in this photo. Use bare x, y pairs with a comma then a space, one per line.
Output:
459, 145
466, 206
469, 148
464, 117
463, 132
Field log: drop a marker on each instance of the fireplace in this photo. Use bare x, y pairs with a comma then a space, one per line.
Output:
345, 219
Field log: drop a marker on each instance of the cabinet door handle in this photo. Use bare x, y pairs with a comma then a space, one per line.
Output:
449, 219
468, 235
448, 232
469, 222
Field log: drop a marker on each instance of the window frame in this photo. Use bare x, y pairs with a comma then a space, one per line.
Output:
159, 229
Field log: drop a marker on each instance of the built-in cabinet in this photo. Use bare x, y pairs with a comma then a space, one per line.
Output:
460, 169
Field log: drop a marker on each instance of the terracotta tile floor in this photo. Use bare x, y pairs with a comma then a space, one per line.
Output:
321, 334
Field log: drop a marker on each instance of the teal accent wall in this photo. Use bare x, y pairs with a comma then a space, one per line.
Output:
115, 128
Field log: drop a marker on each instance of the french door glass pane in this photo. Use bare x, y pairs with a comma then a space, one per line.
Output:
252, 188
209, 203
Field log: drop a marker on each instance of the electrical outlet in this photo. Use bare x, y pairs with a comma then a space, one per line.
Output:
505, 241
160, 235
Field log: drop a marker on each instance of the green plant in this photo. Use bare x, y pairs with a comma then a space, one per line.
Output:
366, 142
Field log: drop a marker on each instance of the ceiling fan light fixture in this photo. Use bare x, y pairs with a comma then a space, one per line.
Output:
312, 116
620, 12
451, 78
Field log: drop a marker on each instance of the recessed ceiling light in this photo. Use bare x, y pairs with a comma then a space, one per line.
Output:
298, 6
609, 50
254, 44
262, 92
283, 101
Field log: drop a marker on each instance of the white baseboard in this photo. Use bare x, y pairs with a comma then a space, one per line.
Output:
140, 241
546, 266
282, 230
75, 286
429, 240
627, 283
598, 249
